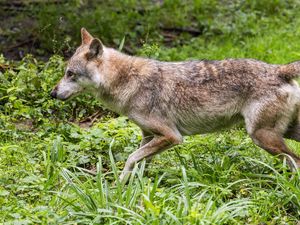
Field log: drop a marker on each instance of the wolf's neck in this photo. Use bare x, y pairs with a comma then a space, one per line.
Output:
122, 64
122, 76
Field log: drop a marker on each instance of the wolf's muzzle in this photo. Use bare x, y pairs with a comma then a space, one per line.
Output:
53, 93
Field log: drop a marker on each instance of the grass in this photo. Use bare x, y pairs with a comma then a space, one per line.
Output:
54, 172
211, 179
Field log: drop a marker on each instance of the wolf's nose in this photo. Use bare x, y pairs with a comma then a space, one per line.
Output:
53, 94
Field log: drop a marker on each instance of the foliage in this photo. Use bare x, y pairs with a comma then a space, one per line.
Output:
53, 171
143, 21
55, 26
25, 91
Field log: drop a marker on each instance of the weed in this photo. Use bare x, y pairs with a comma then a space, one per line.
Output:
52, 171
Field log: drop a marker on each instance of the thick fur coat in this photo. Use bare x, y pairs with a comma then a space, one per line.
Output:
168, 100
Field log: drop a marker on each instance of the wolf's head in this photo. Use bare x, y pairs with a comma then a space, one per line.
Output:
82, 72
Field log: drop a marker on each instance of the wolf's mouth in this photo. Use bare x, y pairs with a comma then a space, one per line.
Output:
67, 97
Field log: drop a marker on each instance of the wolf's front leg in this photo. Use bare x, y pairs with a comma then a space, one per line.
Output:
146, 138
156, 145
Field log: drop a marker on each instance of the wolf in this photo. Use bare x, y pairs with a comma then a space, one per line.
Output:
169, 100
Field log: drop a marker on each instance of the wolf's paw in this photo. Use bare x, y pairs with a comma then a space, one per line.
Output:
124, 177
294, 164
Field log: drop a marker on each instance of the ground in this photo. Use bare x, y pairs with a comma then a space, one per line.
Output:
59, 161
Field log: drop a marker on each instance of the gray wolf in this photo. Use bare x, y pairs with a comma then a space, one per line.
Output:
168, 100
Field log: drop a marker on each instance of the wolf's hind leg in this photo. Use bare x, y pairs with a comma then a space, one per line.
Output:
293, 133
267, 121
273, 142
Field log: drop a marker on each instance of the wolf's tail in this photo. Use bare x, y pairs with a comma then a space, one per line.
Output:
289, 71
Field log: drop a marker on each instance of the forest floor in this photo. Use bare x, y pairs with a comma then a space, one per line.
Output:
59, 161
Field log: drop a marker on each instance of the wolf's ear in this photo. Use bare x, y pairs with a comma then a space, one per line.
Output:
85, 36
95, 50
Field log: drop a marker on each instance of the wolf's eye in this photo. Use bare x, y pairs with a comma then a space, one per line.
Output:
70, 74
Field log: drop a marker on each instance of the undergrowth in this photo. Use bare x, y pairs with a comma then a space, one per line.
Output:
54, 170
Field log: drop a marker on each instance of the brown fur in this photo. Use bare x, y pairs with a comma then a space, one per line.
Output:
170, 99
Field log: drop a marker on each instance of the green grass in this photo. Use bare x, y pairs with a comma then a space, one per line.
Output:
218, 179
54, 172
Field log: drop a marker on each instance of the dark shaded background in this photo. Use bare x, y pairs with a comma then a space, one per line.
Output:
43, 28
